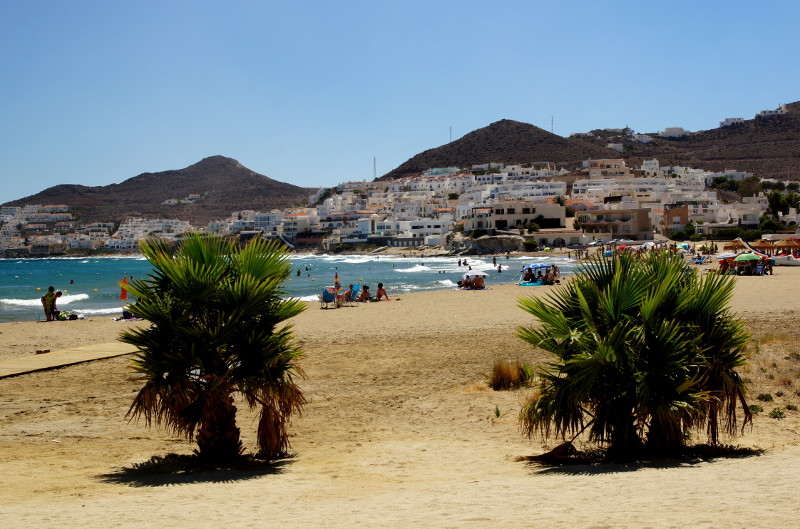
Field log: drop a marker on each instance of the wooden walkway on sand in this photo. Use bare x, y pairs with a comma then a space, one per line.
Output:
65, 357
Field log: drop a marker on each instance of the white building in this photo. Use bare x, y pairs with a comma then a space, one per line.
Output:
674, 132
730, 121
777, 112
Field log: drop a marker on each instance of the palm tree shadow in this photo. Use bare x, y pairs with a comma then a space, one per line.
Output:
595, 463
176, 469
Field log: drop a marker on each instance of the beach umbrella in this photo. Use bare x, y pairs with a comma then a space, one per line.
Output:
762, 244
534, 266
788, 243
733, 245
684, 245
123, 295
474, 273
726, 255
747, 257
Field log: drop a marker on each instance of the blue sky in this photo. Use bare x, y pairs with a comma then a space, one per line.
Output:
308, 92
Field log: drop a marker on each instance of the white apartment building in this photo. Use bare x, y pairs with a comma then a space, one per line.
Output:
651, 167
608, 168
730, 174
269, 222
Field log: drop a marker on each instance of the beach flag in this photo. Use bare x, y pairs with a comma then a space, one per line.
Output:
123, 295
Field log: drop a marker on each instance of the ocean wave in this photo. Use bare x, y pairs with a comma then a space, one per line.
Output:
309, 298
447, 283
415, 268
63, 300
69, 298
22, 302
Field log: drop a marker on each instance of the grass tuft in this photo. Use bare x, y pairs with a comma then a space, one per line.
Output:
510, 375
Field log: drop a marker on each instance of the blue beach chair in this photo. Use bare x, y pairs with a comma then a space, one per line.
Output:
351, 299
328, 296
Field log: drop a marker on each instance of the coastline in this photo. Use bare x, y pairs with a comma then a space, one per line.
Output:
400, 430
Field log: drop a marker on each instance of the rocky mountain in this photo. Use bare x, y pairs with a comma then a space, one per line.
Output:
224, 185
504, 141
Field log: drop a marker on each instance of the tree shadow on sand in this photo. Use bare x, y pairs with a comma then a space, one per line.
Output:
176, 469
565, 459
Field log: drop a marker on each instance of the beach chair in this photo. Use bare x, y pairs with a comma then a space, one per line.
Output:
758, 270
351, 299
328, 297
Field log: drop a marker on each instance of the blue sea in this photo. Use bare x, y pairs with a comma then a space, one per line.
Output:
91, 285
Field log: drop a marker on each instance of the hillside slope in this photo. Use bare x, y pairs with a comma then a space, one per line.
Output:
768, 147
504, 141
225, 184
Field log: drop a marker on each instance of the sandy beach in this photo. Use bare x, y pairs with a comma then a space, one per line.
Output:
400, 431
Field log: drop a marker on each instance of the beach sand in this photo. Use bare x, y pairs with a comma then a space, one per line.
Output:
399, 431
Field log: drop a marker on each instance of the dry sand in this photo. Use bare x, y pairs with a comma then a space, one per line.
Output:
399, 431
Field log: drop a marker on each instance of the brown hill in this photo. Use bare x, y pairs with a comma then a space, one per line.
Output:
769, 147
504, 141
224, 184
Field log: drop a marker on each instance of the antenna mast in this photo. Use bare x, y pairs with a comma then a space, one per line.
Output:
374, 169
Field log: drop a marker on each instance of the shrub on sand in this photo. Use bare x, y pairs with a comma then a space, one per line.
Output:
510, 375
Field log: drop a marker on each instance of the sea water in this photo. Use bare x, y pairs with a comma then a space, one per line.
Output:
90, 285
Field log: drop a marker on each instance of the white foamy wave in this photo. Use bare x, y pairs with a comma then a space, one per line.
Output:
415, 268
63, 300
447, 283
69, 298
112, 310
22, 302
309, 298
409, 288
349, 259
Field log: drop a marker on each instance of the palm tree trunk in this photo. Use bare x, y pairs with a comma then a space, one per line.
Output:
218, 435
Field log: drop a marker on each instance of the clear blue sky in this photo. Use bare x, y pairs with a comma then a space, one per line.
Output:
308, 92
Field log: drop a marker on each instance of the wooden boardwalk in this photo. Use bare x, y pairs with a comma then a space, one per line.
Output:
65, 357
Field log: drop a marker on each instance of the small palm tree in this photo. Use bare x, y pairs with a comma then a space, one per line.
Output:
643, 350
215, 311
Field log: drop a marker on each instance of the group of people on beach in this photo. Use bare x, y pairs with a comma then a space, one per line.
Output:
549, 277
475, 283
364, 297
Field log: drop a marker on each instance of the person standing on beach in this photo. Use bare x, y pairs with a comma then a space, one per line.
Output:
48, 302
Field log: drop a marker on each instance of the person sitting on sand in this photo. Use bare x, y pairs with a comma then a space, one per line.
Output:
349, 292
477, 283
466, 283
528, 275
364, 297
381, 293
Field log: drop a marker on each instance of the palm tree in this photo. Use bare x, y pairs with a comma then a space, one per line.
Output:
215, 311
643, 351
